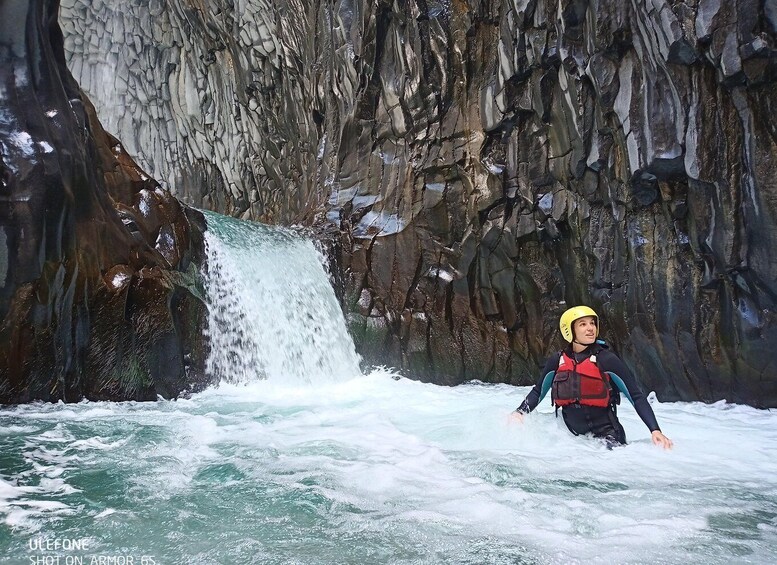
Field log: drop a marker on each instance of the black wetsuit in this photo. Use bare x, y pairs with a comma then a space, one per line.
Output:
594, 420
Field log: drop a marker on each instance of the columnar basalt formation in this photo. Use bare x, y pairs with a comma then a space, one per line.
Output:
489, 163
214, 98
98, 286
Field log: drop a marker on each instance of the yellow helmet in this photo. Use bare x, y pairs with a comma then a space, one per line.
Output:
568, 318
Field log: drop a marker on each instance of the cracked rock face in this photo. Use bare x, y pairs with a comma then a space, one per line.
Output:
98, 284
488, 165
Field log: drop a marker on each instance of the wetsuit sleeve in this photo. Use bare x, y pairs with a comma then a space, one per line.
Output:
533, 398
608, 361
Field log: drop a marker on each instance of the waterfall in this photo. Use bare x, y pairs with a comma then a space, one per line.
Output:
272, 311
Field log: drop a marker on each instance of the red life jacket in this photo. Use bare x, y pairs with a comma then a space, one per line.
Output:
581, 383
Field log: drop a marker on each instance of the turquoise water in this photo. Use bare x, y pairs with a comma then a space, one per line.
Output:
298, 457
378, 470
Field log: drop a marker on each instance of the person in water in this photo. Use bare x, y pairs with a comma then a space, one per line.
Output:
586, 380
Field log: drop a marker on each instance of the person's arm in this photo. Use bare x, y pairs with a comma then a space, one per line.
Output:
535, 394
610, 362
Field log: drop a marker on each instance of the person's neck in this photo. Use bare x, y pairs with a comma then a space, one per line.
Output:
579, 347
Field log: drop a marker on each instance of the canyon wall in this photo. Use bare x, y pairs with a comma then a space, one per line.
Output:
486, 164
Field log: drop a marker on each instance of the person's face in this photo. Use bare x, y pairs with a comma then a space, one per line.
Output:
585, 330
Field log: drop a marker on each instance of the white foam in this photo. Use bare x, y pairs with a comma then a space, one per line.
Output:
417, 461
272, 311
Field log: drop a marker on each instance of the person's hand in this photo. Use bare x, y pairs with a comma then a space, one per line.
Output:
515, 417
662, 440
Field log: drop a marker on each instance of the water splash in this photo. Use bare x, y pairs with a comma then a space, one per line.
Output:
272, 311
383, 471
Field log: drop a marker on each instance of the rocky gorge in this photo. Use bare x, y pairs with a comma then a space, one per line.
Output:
477, 167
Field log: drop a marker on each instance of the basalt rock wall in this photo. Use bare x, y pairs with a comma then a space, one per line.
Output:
215, 98
487, 163
99, 294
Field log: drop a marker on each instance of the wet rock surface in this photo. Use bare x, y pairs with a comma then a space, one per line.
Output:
99, 295
488, 164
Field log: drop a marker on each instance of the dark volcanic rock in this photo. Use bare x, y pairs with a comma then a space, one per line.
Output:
98, 284
489, 164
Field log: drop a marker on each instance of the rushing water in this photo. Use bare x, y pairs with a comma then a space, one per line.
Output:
367, 468
272, 311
